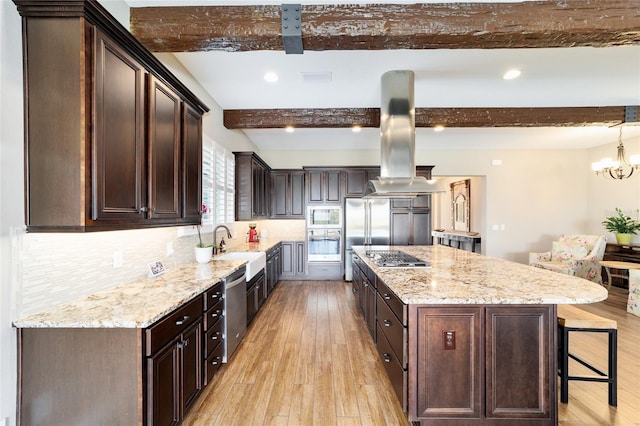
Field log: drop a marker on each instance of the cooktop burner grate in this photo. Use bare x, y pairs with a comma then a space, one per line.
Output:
395, 259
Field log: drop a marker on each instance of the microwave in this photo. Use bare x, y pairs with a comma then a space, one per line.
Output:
324, 217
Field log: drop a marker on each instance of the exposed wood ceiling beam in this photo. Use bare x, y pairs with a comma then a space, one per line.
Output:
426, 117
531, 24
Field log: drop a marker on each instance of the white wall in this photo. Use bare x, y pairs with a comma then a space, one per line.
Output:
11, 197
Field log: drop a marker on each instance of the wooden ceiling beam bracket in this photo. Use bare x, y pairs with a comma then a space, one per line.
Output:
292, 29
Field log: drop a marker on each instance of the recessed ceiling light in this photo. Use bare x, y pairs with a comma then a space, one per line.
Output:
289, 129
511, 74
438, 128
271, 77
356, 129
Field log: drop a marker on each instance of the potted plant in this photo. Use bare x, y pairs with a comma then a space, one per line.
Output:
622, 225
203, 251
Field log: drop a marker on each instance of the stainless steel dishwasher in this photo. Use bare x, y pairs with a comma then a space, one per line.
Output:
235, 306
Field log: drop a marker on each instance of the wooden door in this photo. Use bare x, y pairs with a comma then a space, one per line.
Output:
164, 152
191, 357
447, 368
521, 362
163, 386
118, 157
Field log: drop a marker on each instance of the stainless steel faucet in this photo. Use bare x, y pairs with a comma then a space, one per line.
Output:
215, 230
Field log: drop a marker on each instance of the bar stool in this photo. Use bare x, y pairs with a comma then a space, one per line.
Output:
572, 319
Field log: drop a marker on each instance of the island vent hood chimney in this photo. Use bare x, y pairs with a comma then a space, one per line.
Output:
398, 142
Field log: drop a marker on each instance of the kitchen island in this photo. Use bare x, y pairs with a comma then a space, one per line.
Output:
469, 338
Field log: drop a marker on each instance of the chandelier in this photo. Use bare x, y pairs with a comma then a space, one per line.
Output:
618, 168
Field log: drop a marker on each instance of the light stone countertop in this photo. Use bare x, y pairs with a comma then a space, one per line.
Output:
140, 303
462, 277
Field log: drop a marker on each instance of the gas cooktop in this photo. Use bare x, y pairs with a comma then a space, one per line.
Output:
395, 259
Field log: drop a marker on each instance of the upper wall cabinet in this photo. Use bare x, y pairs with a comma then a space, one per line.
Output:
252, 187
324, 186
113, 139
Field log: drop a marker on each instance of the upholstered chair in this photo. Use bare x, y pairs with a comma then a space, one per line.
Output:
573, 254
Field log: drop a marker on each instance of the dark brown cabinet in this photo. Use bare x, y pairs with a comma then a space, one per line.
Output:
174, 364
288, 194
212, 331
294, 259
411, 221
164, 152
256, 294
103, 125
252, 186
356, 179
324, 186
489, 363
273, 268
191, 164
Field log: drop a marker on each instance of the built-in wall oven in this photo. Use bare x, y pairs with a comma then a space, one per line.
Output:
324, 244
324, 234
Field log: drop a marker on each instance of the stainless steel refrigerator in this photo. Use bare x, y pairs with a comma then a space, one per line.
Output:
366, 222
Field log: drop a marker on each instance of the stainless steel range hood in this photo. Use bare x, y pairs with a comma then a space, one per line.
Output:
397, 135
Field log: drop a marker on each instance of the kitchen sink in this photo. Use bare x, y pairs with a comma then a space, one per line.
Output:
256, 260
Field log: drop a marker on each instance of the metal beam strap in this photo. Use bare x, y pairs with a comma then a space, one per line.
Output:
292, 28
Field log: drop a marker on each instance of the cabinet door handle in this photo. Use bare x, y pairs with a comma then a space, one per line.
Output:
153, 210
143, 209
182, 320
185, 343
386, 323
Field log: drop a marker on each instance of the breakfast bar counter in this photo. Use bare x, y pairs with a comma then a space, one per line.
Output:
462, 277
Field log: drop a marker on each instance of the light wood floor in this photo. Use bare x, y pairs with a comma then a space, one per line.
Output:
308, 359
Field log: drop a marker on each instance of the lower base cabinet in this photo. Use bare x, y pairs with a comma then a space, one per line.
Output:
294, 260
492, 364
256, 294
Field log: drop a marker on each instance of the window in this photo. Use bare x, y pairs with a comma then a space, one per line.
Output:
222, 182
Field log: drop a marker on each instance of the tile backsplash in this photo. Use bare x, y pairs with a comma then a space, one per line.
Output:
55, 268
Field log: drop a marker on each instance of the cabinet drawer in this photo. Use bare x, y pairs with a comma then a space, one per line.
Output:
396, 305
213, 296
213, 315
170, 326
213, 363
213, 337
392, 329
397, 374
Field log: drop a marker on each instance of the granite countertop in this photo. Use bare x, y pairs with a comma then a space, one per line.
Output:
462, 277
142, 302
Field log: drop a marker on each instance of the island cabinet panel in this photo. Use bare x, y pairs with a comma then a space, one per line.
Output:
102, 148
491, 363
448, 363
520, 362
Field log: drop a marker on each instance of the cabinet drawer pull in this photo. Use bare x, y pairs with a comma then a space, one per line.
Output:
387, 358
386, 296
215, 361
386, 323
215, 336
215, 314
182, 320
215, 295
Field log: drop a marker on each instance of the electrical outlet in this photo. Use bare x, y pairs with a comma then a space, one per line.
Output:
117, 259
169, 248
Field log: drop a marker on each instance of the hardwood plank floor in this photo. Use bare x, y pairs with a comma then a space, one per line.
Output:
307, 359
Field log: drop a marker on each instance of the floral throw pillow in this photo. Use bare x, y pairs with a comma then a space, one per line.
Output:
565, 250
